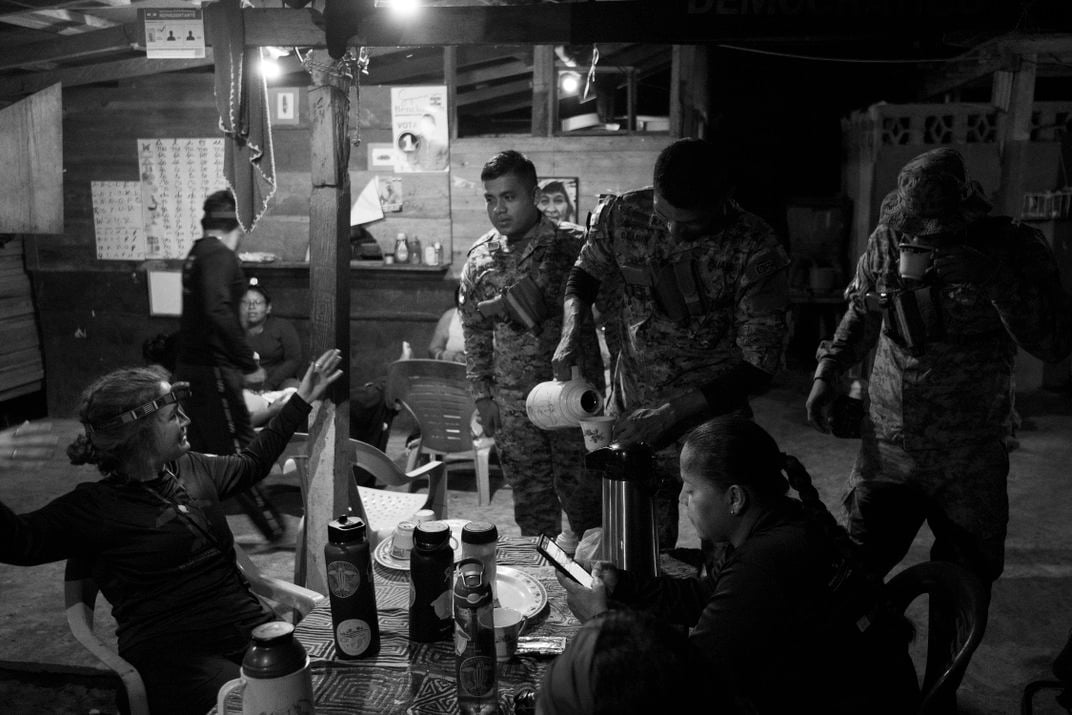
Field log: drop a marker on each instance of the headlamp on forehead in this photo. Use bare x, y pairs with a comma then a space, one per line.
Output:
179, 391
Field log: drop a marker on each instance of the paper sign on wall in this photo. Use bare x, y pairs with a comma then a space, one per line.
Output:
176, 176
117, 220
173, 33
419, 123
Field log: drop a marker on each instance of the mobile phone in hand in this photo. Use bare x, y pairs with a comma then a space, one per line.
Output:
563, 561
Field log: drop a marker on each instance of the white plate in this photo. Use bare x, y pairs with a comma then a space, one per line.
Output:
519, 591
382, 552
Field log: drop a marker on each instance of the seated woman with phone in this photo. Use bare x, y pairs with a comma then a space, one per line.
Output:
786, 622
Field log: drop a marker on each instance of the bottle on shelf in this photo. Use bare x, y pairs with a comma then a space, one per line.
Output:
437, 249
430, 256
415, 251
401, 248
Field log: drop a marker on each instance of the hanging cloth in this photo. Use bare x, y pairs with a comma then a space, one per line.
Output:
242, 103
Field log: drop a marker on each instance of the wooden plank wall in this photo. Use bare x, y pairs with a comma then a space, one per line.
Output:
21, 366
95, 314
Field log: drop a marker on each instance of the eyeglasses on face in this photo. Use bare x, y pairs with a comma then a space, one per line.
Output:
253, 303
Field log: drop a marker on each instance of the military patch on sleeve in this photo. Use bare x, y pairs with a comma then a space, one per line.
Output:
764, 264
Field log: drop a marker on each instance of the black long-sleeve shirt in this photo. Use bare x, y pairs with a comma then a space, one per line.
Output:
766, 624
212, 287
162, 552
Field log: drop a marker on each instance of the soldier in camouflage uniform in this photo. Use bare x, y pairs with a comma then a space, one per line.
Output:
511, 294
945, 345
702, 318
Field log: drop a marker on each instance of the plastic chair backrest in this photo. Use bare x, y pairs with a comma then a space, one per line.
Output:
958, 603
382, 509
80, 596
437, 394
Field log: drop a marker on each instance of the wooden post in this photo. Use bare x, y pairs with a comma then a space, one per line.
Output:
544, 91
329, 302
1018, 96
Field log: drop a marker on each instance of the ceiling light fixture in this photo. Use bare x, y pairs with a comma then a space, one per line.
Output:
569, 83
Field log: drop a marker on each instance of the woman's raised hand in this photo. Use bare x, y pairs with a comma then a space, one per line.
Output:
321, 372
27, 446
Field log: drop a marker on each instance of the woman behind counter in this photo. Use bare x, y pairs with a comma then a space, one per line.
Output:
153, 534
273, 339
776, 636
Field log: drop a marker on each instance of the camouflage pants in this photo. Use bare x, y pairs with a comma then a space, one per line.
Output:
960, 492
545, 469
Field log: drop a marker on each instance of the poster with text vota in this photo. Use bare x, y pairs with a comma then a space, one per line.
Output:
176, 176
419, 124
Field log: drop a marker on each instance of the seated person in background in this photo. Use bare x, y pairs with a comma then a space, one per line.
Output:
263, 406
778, 619
448, 341
624, 663
273, 339
153, 532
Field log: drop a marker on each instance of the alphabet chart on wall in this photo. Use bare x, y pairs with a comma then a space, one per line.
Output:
176, 176
117, 220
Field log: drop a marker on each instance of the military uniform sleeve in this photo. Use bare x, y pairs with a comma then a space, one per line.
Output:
597, 254
859, 329
762, 302
1035, 308
479, 332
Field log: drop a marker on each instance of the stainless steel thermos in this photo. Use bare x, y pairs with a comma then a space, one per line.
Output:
351, 589
630, 539
474, 640
431, 566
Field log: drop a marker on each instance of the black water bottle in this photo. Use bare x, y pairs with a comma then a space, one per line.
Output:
474, 640
352, 590
431, 566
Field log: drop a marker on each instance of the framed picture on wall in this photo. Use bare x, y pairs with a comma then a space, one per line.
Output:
557, 198
283, 105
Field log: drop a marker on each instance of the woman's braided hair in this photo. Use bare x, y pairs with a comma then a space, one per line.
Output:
731, 450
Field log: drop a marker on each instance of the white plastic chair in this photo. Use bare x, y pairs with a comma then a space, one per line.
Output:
382, 509
436, 393
290, 601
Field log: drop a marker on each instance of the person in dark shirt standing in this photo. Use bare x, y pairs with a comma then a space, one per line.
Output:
214, 356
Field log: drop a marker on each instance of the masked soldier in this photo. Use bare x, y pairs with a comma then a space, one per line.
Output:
512, 287
701, 323
944, 293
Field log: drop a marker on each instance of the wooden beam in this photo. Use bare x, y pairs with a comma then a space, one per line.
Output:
103, 72
677, 22
494, 92
120, 38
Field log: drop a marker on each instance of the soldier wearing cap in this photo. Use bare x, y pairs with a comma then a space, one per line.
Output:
698, 307
511, 290
945, 322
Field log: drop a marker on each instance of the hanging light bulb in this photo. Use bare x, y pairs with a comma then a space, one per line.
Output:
569, 83
269, 68
401, 8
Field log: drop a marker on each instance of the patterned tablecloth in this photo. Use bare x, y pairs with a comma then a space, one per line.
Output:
418, 678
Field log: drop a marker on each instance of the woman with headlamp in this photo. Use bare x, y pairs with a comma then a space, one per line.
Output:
153, 533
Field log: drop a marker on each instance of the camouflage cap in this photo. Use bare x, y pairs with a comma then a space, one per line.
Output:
934, 194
